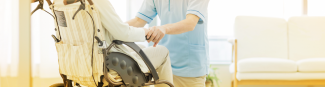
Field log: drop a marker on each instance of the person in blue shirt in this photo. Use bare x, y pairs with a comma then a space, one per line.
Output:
183, 32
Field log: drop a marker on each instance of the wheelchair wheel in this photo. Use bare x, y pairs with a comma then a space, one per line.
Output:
57, 85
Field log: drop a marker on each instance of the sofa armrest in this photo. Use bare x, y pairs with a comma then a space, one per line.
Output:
231, 40
234, 43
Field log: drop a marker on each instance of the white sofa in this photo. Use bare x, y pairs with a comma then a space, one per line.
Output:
273, 51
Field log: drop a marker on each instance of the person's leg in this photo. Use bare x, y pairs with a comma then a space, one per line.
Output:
189, 81
159, 57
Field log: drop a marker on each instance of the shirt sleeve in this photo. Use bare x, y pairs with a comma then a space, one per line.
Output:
147, 11
112, 22
198, 8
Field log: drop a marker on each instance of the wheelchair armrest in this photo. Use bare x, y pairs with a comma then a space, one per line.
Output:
139, 51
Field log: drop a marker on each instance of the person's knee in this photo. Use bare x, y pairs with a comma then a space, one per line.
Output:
141, 46
163, 48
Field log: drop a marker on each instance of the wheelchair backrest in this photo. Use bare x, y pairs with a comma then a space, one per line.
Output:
77, 24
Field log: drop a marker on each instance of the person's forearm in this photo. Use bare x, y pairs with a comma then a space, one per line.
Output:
183, 26
136, 22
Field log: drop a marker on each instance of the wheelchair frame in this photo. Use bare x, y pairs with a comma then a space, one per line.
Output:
123, 64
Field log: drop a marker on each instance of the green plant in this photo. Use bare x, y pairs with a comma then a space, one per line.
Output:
212, 77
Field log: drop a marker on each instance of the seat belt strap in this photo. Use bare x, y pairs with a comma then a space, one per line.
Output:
49, 2
90, 2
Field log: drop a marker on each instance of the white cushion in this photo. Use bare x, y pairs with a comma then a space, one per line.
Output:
281, 76
266, 65
311, 65
261, 37
306, 37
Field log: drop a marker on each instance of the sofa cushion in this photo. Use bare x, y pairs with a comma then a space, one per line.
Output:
266, 65
306, 36
311, 65
261, 37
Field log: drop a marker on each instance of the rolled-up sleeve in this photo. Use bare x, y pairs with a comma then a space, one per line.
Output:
147, 11
112, 22
198, 8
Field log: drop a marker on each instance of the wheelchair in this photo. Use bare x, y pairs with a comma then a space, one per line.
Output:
126, 67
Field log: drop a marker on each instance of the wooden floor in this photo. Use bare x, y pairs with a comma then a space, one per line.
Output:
45, 82
37, 82
281, 82
8, 81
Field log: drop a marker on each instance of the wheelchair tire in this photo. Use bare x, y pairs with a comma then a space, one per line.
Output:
57, 85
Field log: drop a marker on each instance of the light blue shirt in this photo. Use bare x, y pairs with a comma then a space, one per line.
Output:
188, 51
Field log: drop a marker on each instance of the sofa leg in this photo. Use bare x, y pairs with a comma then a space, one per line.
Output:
232, 83
235, 84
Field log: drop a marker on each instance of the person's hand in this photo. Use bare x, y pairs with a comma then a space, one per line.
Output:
155, 34
146, 31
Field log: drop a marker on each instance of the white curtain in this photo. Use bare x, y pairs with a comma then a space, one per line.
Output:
316, 8
8, 38
44, 55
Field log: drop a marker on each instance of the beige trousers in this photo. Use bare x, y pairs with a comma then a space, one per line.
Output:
189, 81
159, 57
